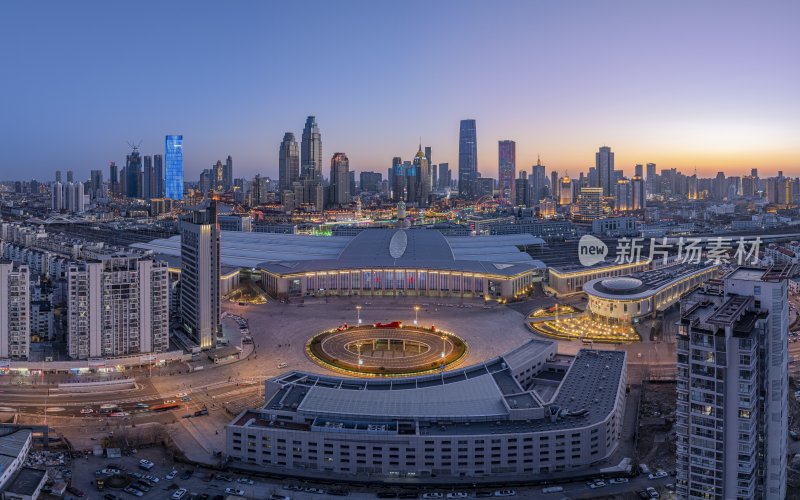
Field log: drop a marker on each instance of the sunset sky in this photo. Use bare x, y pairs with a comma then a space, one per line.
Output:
712, 85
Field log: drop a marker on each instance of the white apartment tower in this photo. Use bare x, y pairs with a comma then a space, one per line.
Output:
15, 324
732, 388
200, 270
116, 306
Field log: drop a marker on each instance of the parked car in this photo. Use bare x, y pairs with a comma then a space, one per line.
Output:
234, 492
179, 493
658, 474
652, 492
75, 491
505, 493
146, 464
457, 494
171, 475
133, 491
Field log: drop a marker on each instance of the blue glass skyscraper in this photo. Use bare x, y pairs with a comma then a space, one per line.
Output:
467, 159
174, 171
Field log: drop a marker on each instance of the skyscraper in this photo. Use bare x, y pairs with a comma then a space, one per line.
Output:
311, 150
133, 174
173, 153
651, 180
421, 181
200, 269
467, 159
113, 178
732, 386
15, 322
340, 180
444, 175
157, 186
288, 163
147, 178
522, 190
537, 181
604, 163
227, 174
96, 187
506, 169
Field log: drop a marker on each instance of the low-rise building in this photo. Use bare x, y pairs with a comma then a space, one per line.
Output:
529, 412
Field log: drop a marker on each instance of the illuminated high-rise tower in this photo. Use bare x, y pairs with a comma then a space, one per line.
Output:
507, 168
174, 171
467, 159
200, 269
340, 180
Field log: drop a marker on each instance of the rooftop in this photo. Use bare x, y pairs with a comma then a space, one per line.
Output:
643, 284
475, 399
27, 481
378, 248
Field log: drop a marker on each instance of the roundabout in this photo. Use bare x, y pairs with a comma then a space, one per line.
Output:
386, 349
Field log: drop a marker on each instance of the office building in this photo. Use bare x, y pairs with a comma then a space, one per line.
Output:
117, 305
200, 270
173, 155
96, 188
340, 180
288, 162
589, 205
651, 181
538, 183
604, 163
507, 169
565, 191
133, 174
467, 159
15, 324
623, 195
444, 176
419, 180
370, 181
530, 412
113, 179
70, 176
638, 196
311, 151
522, 190
227, 174
157, 185
431, 168
147, 178
732, 384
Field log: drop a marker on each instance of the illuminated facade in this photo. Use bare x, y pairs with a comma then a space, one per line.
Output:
174, 170
530, 412
200, 272
416, 262
629, 298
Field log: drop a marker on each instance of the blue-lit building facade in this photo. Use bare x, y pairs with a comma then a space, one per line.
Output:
174, 170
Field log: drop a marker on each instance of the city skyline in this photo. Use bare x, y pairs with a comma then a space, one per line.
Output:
606, 75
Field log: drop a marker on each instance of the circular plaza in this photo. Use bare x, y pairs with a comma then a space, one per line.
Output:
386, 349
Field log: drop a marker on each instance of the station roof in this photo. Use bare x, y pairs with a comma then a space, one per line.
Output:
376, 248
644, 284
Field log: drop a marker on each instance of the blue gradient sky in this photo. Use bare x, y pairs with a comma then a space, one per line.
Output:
681, 83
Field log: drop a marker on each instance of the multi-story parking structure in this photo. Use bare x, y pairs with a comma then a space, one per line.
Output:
525, 413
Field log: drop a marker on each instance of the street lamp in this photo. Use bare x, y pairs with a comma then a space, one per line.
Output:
358, 314
416, 314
